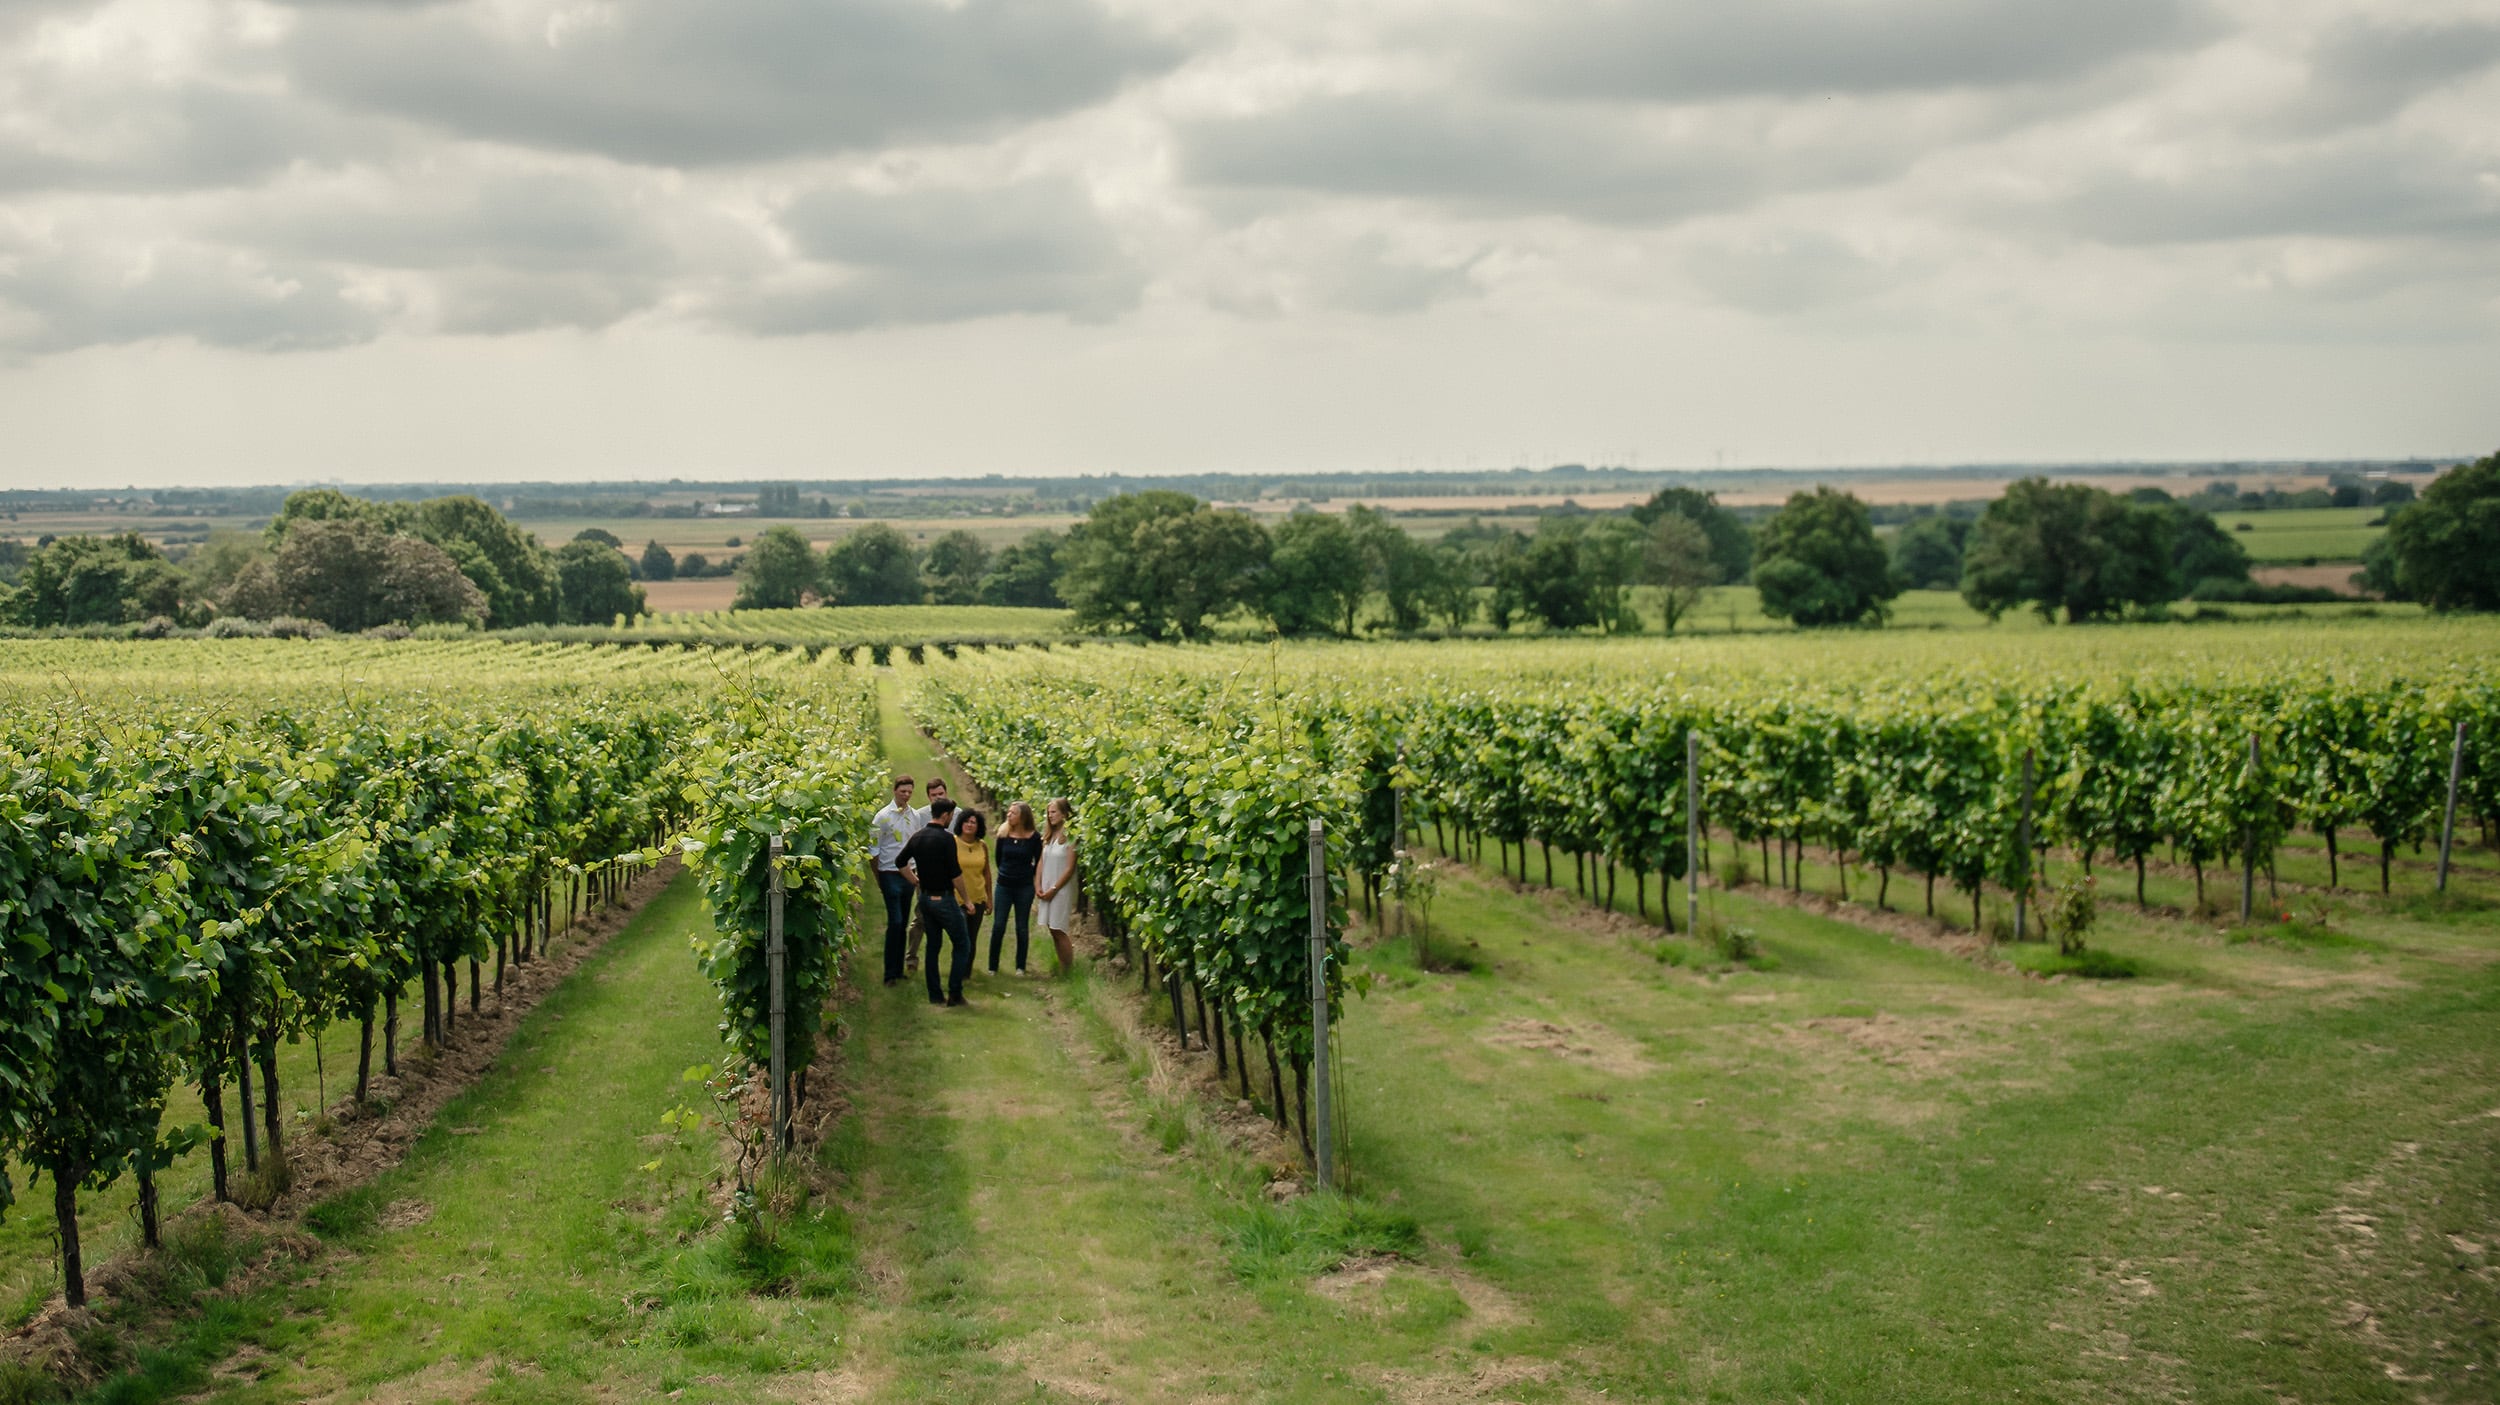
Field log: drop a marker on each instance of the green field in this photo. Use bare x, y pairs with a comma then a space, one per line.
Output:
2304, 535
1725, 610
856, 624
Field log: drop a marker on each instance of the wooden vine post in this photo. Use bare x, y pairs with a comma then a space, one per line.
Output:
2448, 824
774, 955
1692, 830
1323, 1146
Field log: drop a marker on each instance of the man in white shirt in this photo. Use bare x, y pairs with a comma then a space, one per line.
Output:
887, 832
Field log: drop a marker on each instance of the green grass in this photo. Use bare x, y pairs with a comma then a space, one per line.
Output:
1886, 1172
2298, 535
521, 1251
308, 1070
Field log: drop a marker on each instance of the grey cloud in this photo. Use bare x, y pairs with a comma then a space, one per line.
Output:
75, 298
197, 135
692, 82
1039, 247
1367, 276
535, 221
497, 302
1505, 158
2359, 189
1688, 51
1785, 272
2362, 72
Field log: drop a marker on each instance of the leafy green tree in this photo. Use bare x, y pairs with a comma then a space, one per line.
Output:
777, 572
331, 505
2070, 547
1450, 588
2201, 553
1402, 568
2444, 549
1927, 552
1612, 556
658, 562
98, 580
1161, 564
875, 565
1731, 546
602, 536
351, 574
1317, 575
956, 564
1543, 576
213, 565
1026, 573
597, 581
516, 572
1817, 562
1676, 557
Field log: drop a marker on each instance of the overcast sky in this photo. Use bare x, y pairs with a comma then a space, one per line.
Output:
244, 241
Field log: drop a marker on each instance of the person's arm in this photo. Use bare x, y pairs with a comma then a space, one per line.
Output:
1066, 878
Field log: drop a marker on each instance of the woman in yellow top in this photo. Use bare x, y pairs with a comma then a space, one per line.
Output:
972, 850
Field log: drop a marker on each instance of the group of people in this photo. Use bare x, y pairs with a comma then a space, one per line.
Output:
942, 855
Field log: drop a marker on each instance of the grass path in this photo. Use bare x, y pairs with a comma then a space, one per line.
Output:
1027, 1238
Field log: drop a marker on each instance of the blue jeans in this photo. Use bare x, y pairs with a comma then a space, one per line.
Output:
1009, 895
897, 891
940, 913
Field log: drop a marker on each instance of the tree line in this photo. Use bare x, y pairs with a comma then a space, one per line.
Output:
1166, 565
327, 559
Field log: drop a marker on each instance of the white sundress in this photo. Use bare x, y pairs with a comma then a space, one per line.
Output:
1055, 913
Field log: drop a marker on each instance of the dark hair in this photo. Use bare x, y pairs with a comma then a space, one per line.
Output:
938, 783
940, 808
972, 816
900, 781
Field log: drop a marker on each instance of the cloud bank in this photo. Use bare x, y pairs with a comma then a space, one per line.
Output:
299, 177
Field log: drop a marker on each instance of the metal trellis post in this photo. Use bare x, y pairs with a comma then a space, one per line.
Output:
2022, 886
2448, 824
1692, 831
1323, 1147
774, 955
2248, 845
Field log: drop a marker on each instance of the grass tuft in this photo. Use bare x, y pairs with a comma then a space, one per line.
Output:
199, 1255
2302, 933
22, 1383
1311, 1234
346, 1215
2092, 963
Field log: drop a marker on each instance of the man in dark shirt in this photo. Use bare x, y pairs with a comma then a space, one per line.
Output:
929, 857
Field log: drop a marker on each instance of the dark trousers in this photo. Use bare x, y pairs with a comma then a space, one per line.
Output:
1006, 896
941, 914
897, 891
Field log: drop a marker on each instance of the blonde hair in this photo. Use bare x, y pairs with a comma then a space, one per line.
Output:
1068, 811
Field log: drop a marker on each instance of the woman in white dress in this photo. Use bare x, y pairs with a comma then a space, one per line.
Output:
1055, 894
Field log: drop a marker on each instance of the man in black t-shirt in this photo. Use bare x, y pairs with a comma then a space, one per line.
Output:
929, 857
